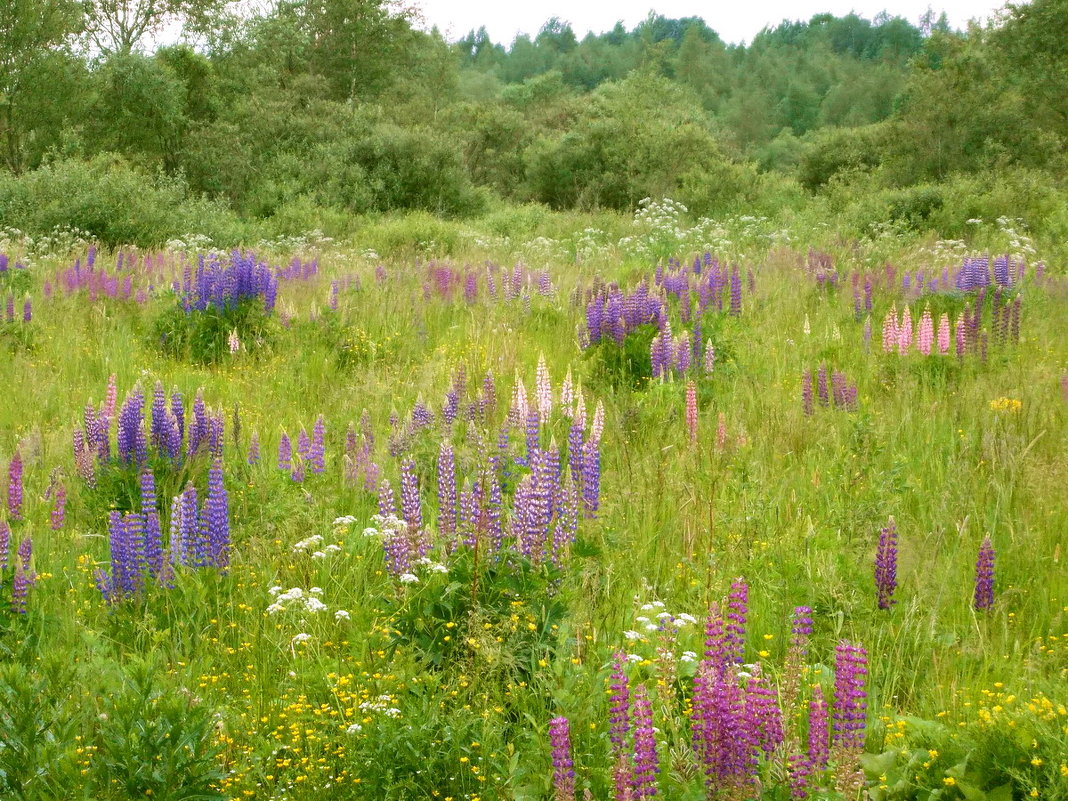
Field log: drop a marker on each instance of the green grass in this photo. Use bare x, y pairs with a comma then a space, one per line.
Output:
102, 700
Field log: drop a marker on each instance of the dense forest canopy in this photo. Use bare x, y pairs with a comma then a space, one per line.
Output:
346, 107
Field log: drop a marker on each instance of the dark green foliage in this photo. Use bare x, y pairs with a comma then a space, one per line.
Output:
449, 619
629, 365
203, 337
113, 202
156, 742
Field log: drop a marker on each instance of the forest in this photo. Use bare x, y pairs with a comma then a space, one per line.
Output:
317, 115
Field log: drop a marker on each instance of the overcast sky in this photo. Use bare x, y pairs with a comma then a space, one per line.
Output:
735, 21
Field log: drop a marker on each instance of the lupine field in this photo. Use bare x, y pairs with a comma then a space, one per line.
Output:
712, 510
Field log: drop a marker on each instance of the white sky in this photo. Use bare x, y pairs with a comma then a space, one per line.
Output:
734, 21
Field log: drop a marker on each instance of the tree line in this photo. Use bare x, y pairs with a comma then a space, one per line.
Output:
349, 107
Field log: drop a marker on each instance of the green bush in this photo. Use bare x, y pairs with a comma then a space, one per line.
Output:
203, 336
114, 202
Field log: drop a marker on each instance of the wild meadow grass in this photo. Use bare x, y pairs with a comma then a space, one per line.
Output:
563, 621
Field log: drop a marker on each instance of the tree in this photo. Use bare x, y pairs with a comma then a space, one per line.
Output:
119, 26
33, 52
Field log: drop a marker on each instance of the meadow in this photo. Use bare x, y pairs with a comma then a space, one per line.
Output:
608, 506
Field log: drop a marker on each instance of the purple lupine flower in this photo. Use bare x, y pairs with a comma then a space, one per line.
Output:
20, 588
27, 310
297, 473
14, 486
591, 477
317, 453
131, 436
216, 428
215, 519
645, 760
737, 611
285, 453
410, 506
387, 504
821, 386
563, 766
160, 422
850, 668
567, 521
493, 508
198, 426
123, 557
153, 535
304, 445
984, 575
194, 549
5, 544
886, 565
254, 449
24, 553
736, 293
178, 411
446, 491
9, 308
533, 431
59, 507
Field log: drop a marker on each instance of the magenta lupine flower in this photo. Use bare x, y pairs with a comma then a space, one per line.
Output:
925, 333
819, 733
715, 640
803, 768
943, 334
737, 611
563, 766
806, 391
801, 628
446, 491
762, 714
850, 668
645, 759
691, 410
886, 565
619, 725
961, 337
984, 575
285, 453
14, 487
